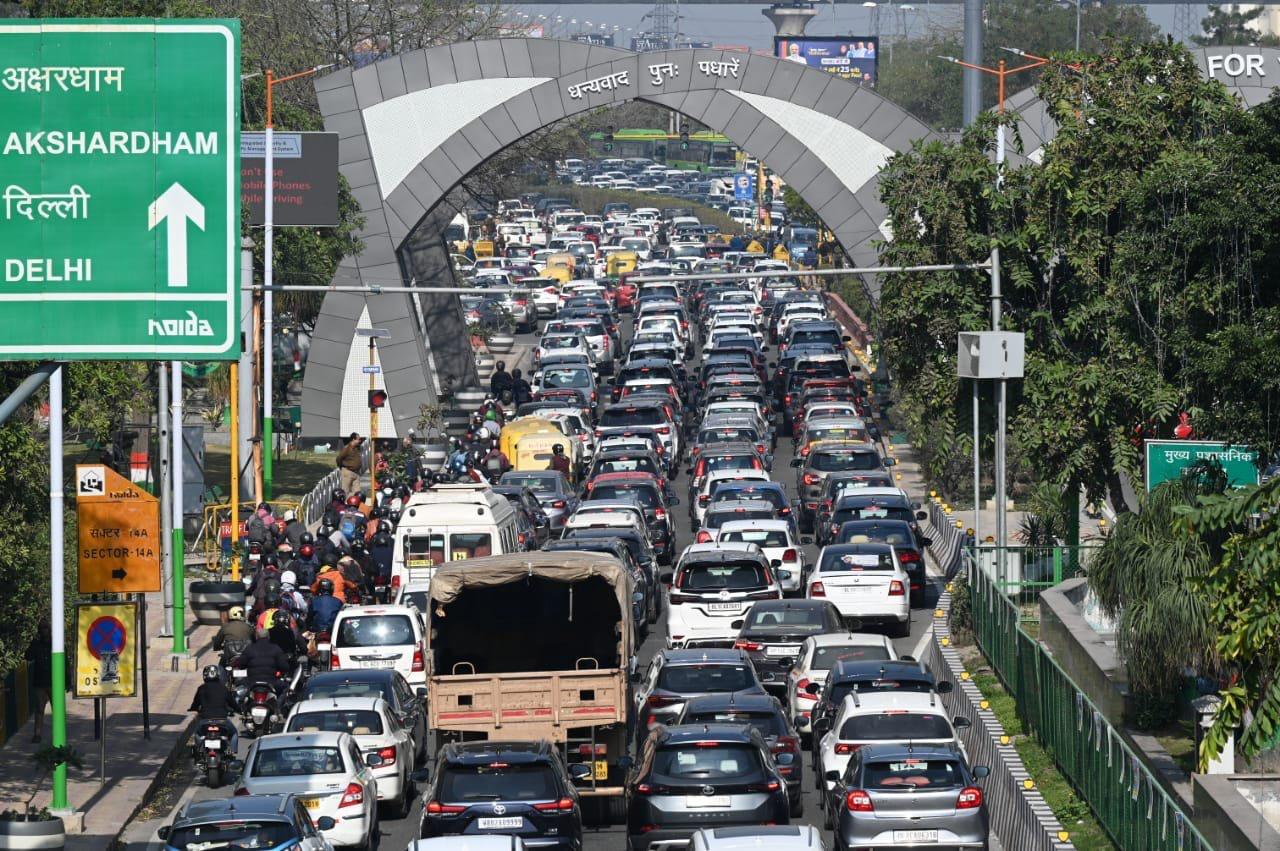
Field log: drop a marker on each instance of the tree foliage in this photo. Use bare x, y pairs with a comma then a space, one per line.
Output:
1231, 25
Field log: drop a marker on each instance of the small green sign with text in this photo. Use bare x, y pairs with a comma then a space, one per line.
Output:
1166, 459
119, 168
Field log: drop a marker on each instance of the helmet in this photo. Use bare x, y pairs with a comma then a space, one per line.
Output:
270, 560
211, 673
506, 397
339, 495
288, 578
360, 496
236, 613
280, 618
558, 449
307, 538
307, 550
264, 506
325, 588
357, 546
353, 501
380, 512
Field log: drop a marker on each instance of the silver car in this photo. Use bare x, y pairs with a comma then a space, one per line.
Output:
552, 490
898, 796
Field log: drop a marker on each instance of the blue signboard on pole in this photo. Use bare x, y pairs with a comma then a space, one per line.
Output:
744, 186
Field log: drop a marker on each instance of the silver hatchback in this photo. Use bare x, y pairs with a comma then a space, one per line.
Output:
898, 796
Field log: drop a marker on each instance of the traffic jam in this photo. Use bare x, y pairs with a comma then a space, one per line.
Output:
663, 594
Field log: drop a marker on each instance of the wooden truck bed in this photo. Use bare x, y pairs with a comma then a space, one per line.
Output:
533, 705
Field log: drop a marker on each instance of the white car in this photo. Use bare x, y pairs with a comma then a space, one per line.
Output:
884, 717
380, 637
546, 295
328, 773
712, 588
789, 837
774, 539
698, 505
465, 842
562, 344
724, 332
376, 730
414, 594
818, 655
866, 582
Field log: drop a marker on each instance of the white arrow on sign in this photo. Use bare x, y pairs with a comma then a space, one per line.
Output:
175, 206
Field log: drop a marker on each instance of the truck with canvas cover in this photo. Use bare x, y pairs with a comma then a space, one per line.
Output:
537, 646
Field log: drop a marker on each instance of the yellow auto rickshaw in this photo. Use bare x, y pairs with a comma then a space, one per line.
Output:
564, 259
483, 247
560, 274
518, 428
534, 451
620, 263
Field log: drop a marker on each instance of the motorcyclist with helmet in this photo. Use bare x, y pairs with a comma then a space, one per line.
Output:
352, 522
234, 635
338, 584
213, 701
324, 606
284, 634
494, 463
263, 660
559, 461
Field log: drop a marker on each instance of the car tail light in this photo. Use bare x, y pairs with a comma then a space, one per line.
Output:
811, 478
660, 513
817, 590
677, 599
559, 503
435, 808
395, 582
583, 435
844, 748
896, 588
970, 798
664, 430
749, 646
704, 499
771, 786
801, 693
786, 400
564, 805
650, 789
419, 659
388, 756
786, 744
906, 557
826, 505
353, 796
858, 801
704, 537
789, 555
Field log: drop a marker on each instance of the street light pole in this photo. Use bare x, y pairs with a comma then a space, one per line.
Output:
374, 334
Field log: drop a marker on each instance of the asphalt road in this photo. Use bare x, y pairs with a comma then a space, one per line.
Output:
397, 834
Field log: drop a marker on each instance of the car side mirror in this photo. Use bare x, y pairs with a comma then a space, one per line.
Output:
163, 832
926, 542
673, 501
907, 658
625, 762
373, 760
943, 687
421, 775
797, 462
783, 575
833, 776
323, 823
666, 578
580, 771
806, 540
846, 339
737, 624
890, 462
775, 562
981, 772
920, 515
821, 726
813, 688
235, 766
961, 723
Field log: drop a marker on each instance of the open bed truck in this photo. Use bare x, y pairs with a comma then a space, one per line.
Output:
537, 646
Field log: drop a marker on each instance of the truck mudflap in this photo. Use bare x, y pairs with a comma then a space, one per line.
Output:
528, 705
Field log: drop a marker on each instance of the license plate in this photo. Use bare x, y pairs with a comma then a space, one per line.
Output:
213, 744
378, 663
915, 836
723, 607
782, 650
707, 802
506, 823
600, 770
310, 803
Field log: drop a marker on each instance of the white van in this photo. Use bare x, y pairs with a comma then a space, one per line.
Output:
380, 637
451, 523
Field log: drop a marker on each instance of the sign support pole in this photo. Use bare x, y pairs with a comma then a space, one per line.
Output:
57, 613
235, 471
268, 277
373, 433
178, 584
142, 663
166, 492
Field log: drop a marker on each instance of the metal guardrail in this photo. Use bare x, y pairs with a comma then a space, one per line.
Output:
311, 506
1125, 796
212, 529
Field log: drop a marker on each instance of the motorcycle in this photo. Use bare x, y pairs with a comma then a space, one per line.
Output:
382, 589
211, 750
324, 648
260, 708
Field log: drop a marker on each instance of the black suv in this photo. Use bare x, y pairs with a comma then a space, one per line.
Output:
515, 788
708, 775
774, 630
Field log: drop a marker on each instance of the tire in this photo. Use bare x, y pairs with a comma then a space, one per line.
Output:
401, 807
615, 810
901, 630
826, 814
796, 808
213, 776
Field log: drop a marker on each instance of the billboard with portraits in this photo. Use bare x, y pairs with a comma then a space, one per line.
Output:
850, 57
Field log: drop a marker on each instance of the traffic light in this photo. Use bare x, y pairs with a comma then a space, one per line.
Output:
768, 194
608, 138
377, 399
684, 139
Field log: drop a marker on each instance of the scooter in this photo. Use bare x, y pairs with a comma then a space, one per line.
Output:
211, 750
260, 708
324, 648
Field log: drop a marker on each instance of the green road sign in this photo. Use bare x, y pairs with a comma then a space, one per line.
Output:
119, 167
1166, 459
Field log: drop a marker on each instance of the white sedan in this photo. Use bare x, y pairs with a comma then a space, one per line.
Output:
563, 344
818, 655
774, 539
866, 583
328, 773
376, 731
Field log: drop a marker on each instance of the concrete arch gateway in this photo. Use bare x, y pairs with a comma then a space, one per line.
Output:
412, 126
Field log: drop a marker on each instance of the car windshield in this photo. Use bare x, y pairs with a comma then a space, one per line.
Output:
375, 631
232, 835
498, 781
871, 512
834, 560
842, 690
320, 686
722, 576
766, 495
733, 462
296, 762
417, 599
578, 379
831, 461
835, 433
895, 725
760, 537
707, 761
910, 774
716, 519
739, 434
697, 679
825, 657
899, 534
783, 620
357, 722
768, 723
645, 495
621, 417
637, 464
537, 484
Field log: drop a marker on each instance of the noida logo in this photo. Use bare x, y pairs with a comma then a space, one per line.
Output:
189, 327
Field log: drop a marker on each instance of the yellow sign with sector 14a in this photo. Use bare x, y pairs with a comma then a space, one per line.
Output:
106, 649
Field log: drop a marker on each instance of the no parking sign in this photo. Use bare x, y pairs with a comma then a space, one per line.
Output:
106, 649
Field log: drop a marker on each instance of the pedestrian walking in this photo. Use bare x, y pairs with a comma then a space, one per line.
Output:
349, 463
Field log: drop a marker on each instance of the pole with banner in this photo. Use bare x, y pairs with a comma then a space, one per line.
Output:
57, 604
178, 583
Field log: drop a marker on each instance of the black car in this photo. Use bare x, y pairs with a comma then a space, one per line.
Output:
764, 713
898, 675
657, 503
713, 775
774, 630
406, 702
523, 499
518, 788
256, 821
644, 610
858, 504
906, 544
641, 551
